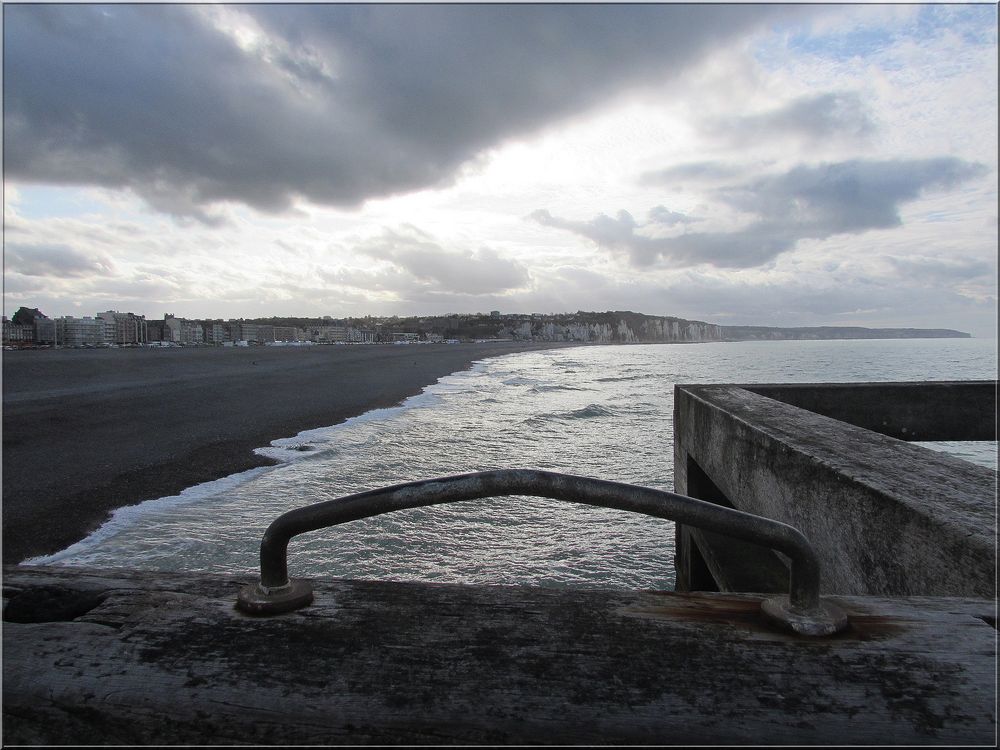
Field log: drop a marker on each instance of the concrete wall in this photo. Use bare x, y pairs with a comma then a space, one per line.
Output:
941, 410
149, 658
886, 517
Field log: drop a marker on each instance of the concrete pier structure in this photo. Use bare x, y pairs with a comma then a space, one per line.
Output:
887, 517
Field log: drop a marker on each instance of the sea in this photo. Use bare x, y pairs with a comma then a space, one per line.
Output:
598, 411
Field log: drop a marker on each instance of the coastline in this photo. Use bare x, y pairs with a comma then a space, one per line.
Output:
87, 432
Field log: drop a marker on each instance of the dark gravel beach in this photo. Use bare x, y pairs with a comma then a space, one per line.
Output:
85, 432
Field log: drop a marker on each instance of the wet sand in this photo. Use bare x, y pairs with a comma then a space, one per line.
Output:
85, 432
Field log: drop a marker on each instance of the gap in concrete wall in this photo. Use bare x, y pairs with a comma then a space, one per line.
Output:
693, 573
715, 562
701, 486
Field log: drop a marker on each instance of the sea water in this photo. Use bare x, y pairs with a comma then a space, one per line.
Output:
599, 411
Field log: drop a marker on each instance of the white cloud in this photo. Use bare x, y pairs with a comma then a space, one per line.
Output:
59, 261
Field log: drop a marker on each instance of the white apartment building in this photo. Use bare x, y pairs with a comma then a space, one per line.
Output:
256, 332
215, 333
123, 328
182, 331
360, 336
324, 334
70, 331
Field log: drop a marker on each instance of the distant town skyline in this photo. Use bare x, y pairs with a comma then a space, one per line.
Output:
740, 165
30, 328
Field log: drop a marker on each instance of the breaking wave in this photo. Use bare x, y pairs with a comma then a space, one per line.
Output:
553, 388
588, 412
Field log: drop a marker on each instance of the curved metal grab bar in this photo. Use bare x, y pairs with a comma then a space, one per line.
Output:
276, 593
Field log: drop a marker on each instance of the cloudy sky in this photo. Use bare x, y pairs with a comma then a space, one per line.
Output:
796, 165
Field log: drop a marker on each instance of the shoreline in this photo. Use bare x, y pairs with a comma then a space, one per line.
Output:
88, 432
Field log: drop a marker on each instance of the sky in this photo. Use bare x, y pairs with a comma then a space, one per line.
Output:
739, 164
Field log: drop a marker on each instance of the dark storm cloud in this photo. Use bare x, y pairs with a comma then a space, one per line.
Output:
850, 196
834, 115
57, 261
807, 202
336, 103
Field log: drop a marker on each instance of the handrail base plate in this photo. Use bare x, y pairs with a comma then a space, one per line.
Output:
826, 619
258, 600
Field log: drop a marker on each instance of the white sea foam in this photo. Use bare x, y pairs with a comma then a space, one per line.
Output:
122, 518
308, 443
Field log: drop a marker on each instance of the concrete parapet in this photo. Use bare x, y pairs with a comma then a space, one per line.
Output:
938, 410
119, 657
886, 517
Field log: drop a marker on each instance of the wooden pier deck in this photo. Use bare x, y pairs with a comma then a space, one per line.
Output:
117, 657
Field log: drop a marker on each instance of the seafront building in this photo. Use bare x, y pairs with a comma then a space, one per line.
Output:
18, 335
286, 333
325, 334
360, 336
31, 328
70, 331
123, 328
214, 333
181, 331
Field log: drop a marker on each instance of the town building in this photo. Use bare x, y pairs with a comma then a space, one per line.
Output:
17, 335
155, 331
215, 332
286, 333
124, 328
360, 336
255, 333
182, 331
69, 331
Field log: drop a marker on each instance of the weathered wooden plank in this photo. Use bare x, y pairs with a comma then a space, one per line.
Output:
165, 659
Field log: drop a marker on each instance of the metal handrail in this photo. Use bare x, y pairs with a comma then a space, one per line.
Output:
276, 593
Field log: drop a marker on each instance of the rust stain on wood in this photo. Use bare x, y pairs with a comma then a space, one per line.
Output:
875, 628
744, 614
695, 609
